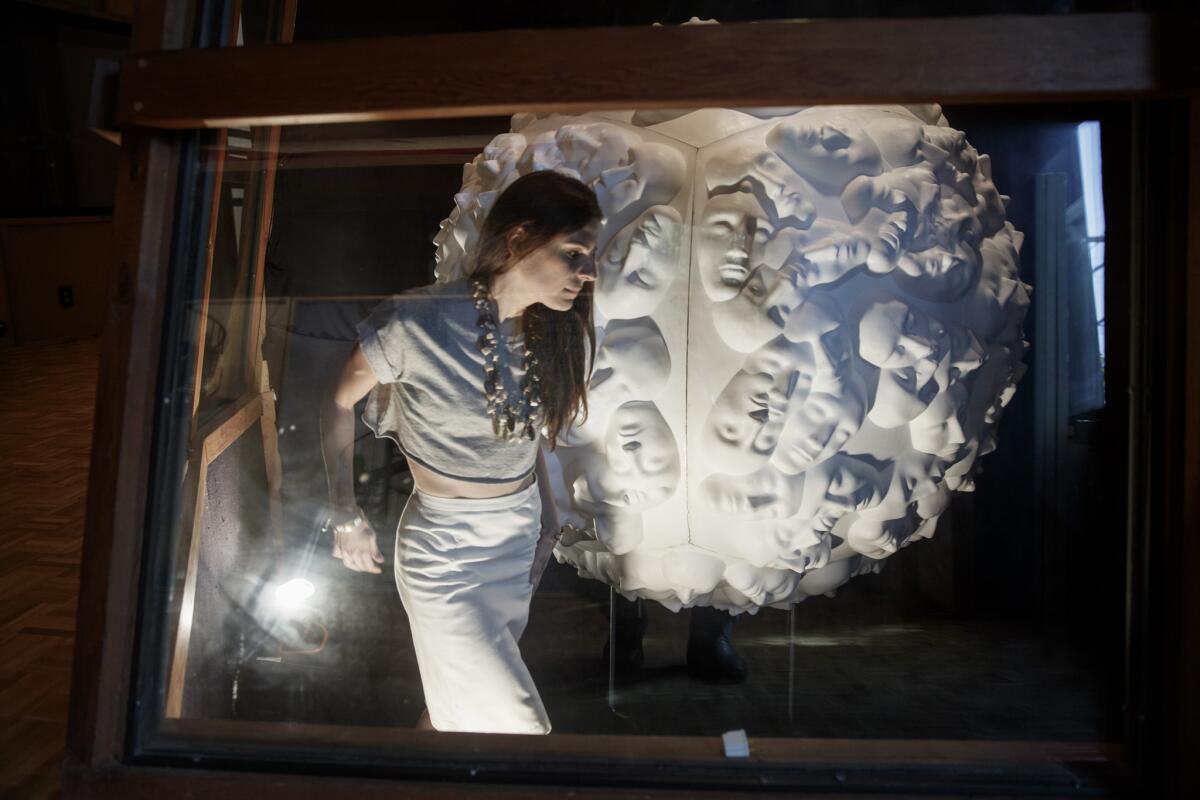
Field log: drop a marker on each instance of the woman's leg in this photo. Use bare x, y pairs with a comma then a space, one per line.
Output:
462, 568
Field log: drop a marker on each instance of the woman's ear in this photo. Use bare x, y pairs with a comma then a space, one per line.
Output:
513, 239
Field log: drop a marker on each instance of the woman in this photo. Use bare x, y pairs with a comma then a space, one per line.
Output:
466, 376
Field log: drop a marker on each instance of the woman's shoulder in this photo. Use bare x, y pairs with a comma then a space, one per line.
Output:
430, 300
425, 306
449, 291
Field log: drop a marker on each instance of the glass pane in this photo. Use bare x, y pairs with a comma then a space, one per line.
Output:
853, 465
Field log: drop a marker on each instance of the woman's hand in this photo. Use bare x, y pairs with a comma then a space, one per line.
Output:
357, 547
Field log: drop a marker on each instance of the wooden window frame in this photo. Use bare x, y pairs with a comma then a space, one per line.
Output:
1117, 57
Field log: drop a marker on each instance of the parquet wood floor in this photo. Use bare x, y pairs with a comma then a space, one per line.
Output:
47, 397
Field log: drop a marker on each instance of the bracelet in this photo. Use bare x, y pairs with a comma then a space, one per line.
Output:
346, 526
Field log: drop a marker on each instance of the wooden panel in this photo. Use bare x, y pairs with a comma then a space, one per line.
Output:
1188, 734
271, 459
121, 446
208, 444
219, 434
143, 782
993, 59
6, 337
264, 212
216, 161
39, 257
413, 742
192, 513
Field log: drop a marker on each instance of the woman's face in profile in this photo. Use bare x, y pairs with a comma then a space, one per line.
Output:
557, 271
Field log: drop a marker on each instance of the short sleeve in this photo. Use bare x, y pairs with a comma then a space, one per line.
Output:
382, 338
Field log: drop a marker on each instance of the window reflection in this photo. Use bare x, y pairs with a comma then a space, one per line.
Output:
281, 631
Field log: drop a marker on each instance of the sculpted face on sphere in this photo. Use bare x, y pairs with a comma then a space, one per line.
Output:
831, 259
639, 264
733, 231
764, 494
954, 219
762, 587
653, 175
900, 397
543, 153
819, 428
878, 539
821, 323
592, 148
911, 189
823, 254
1000, 299
631, 363
913, 475
500, 158
835, 407
781, 544
746, 419
641, 461
901, 141
826, 154
893, 335
891, 206
937, 273
958, 475
744, 165
836, 487
966, 355
940, 429
760, 310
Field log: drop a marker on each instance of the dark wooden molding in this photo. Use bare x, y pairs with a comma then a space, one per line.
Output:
960, 60
120, 459
1186, 736
871, 768
781, 750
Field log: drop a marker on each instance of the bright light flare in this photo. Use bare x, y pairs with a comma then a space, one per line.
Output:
291, 595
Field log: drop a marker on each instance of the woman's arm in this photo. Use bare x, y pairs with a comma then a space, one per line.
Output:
551, 527
355, 544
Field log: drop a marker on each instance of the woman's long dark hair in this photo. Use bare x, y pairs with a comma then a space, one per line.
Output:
546, 204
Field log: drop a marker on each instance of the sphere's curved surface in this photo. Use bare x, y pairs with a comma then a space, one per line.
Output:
809, 322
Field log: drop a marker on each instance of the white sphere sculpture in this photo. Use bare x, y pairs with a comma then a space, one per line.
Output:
808, 325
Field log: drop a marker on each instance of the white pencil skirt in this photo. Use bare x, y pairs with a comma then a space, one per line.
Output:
462, 568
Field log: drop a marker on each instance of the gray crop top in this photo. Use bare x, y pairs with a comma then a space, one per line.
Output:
429, 399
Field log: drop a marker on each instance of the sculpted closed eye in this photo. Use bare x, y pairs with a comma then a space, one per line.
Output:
640, 279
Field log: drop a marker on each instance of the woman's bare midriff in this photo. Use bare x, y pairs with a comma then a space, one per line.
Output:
432, 483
